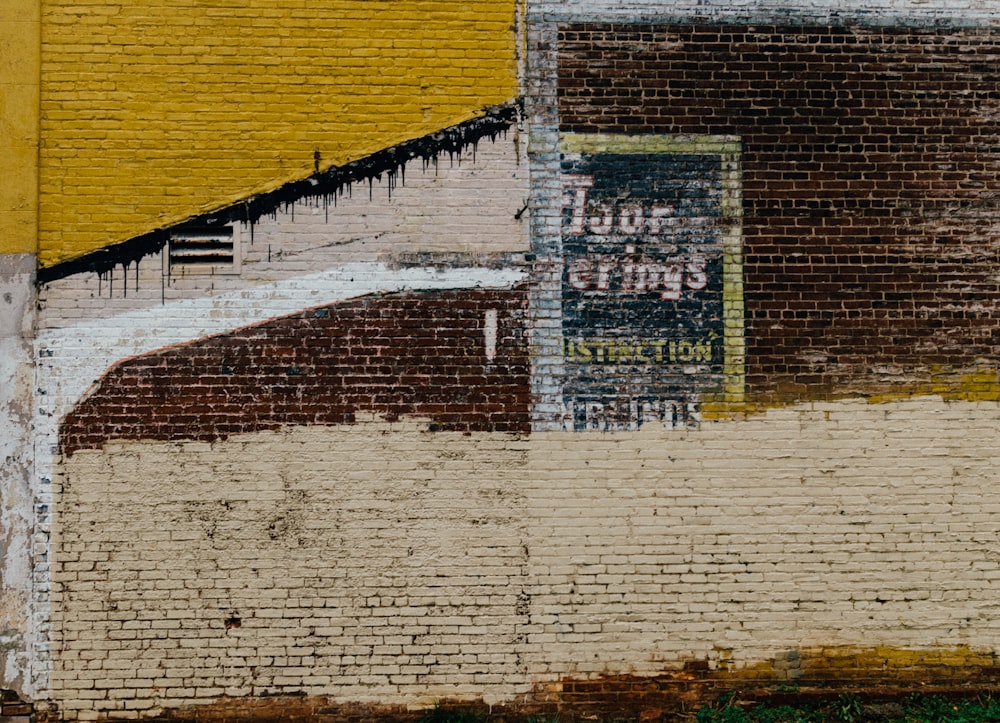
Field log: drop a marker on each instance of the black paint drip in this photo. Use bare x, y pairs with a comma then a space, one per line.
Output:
321, 186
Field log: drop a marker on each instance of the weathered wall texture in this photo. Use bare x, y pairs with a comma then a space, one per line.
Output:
19, 70
452, 222
386, 562
913, 13
17, 513
152, 112
693, 362
870, 183
451, 211
458, 358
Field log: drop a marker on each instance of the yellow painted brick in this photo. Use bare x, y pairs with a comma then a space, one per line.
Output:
192, 107
19, 65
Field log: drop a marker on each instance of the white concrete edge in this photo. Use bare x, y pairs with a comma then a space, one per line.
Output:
880, 13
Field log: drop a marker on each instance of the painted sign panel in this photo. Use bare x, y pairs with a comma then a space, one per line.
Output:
651, 288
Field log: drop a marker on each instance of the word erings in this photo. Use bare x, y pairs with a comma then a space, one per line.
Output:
629, 275
669, 351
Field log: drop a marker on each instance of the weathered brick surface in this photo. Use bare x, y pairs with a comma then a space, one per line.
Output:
870, 161
453, 224
152, 112
341, 511
879, 13
377, 559
458, 358
385, 563
432, 214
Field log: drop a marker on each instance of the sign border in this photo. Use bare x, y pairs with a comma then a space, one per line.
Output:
729, 149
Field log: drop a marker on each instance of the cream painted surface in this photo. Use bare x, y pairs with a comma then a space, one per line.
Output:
386, 562
462, 204
463, 210
376, 562
16, 499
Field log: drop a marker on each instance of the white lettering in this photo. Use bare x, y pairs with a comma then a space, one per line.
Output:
631, 219
696, 276
660, 216
604, 222
637, 275
628, 218
575, 196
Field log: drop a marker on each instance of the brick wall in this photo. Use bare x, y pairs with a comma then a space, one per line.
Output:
459, 358
881, 13
289, 481
430, 213
870, 161
444, 228
154, 112
361, 563
382, 562
19, 40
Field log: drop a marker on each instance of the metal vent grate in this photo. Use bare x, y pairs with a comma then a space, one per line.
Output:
207, 250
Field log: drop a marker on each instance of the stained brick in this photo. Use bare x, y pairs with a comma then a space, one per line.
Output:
410, 354
850, 135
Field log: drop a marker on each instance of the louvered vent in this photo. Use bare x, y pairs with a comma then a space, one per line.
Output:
203, 250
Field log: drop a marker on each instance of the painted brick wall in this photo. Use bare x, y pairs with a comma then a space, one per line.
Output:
454, 210
152, 112
450, 221
383, 562
458, 358
878, 13
870, 187
329, 529
19, 59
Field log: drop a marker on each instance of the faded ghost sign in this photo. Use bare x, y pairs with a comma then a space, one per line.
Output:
652, 283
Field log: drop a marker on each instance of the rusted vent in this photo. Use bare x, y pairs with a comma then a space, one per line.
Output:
206, 250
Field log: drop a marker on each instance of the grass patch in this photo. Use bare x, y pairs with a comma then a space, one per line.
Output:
849, 708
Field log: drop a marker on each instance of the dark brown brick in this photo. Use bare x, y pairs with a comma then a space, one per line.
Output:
420, 354
851, 137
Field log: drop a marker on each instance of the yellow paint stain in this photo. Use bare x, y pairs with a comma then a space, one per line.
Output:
978, 385
849, 662
152, 113
714, 408
975, 385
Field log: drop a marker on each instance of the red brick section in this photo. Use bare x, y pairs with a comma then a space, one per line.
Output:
871, 161
406, 354
12, 708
